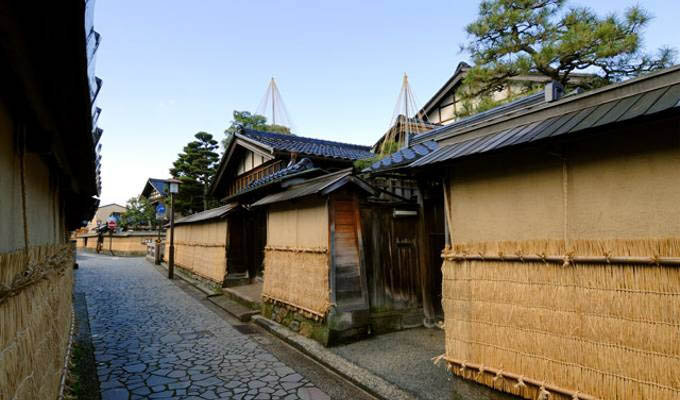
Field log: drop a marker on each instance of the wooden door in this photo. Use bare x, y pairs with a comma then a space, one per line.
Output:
237, 266
391, 254
434, 228
405, 270
348, 277
256, 234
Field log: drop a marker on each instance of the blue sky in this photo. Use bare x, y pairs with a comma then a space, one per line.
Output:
172, 68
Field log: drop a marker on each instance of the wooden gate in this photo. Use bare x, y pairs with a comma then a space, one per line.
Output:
348, 277
246, 242
390, 243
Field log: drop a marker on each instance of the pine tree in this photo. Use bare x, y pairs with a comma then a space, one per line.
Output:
517, 37
195, 167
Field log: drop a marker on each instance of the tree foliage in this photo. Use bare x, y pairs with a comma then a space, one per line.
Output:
140, 213
388, 147
244, 119
195, 167
516, 37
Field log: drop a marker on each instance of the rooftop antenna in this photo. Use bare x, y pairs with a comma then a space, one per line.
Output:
406, 121
273, 108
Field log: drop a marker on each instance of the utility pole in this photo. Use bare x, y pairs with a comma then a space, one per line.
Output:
171, 256
174, 188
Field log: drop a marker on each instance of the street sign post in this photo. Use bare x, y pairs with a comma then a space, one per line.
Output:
160, 210
160, 213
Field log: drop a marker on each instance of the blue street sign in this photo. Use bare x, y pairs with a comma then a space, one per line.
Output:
160, 209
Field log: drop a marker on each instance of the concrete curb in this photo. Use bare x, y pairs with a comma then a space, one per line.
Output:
241, 298
237, 310
359, 376
179, 274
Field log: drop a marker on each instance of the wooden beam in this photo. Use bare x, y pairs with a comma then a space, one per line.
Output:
425, 267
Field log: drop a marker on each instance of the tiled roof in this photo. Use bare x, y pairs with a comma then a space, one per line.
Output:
635, 99
308, 146
425, 143
320, 185
302, 165
404, 156
531, 100
159, 185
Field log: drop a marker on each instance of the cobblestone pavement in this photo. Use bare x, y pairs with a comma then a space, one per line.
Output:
154, 341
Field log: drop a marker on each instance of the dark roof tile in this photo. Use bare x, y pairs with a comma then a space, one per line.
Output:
309, 146
403, 156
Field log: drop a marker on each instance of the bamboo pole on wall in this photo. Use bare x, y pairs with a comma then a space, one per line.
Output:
565, 259
522, 381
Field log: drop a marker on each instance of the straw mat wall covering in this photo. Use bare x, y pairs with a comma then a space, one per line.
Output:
35, 317
606, 329
297, 277
302, 224
120, 245
200, 248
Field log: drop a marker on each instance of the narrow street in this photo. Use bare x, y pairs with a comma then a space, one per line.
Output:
154, 338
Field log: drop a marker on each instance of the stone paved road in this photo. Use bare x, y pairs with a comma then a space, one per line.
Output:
152, 340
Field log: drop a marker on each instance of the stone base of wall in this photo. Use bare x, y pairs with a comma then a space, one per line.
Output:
348, 326
197, 280
395, 320
337, 328
295, 321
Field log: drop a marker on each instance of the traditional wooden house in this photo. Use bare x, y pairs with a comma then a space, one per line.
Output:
560, 277
254, 164
155, 190
450, 103
104, 213
315, 273
341, 258
49, 177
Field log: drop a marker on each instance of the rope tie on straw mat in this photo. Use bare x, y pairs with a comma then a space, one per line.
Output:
35, 272
567, 261
543, 394
438, 359
499, 375
520, 383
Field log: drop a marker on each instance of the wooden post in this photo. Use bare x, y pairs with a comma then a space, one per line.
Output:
171, 255
424, 260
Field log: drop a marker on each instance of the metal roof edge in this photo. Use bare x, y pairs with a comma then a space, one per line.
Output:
228, 209
616, 91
